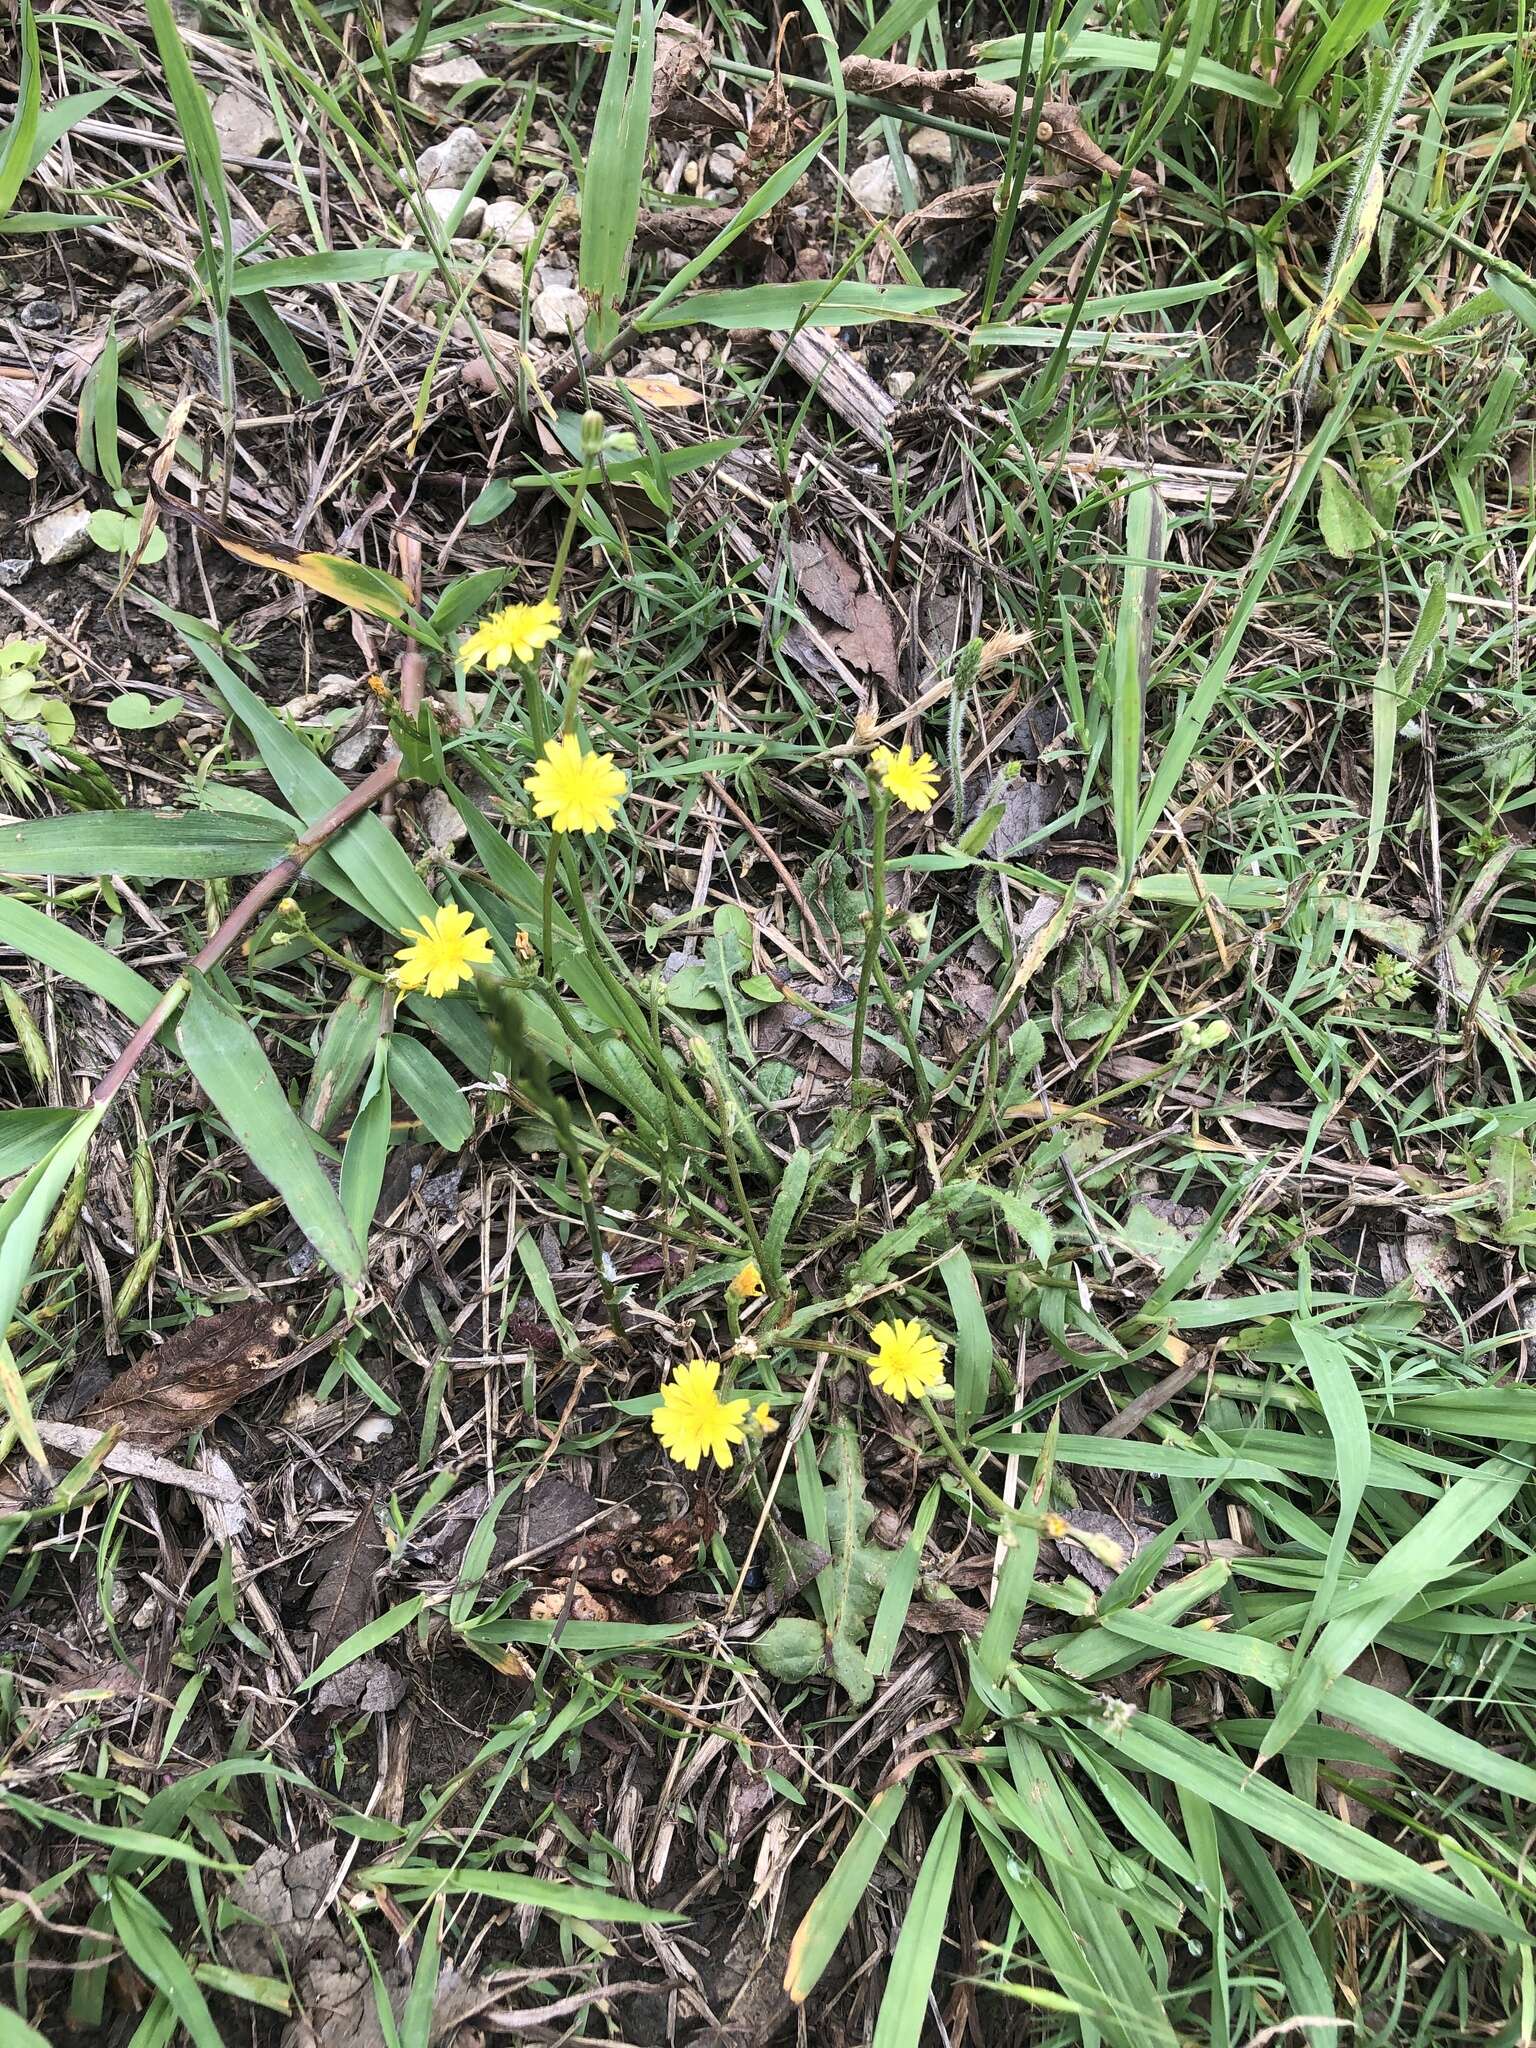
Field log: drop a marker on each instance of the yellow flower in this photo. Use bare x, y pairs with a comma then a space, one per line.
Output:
693, 1422
747, 1284
908, 1361
913, 783
515, 634
762, 1419
443, 953
577, 792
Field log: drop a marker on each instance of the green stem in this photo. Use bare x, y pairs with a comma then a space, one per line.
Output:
908, 1039
875, 934
570, 1145
562, 553
733, 1168
547, 929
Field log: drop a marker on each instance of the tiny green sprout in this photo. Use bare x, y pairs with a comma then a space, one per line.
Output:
27, 697
32, 715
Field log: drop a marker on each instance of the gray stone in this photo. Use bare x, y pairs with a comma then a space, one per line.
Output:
510, 223
445, 76
440, 202
63, 536
931, 146
874, 186
245, 125
558, 311
502, 275
452, 161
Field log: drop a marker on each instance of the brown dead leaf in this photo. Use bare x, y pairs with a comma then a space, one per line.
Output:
945, 1618
370, 1686
343, 1572
775, 132
664, 392
682, 52
861, 629
868, 644
640, 1560
825, 578
680, 104
195, 1376
680, 230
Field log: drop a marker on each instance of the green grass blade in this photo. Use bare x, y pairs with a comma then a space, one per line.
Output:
1425, 1554
610, 200
236, 1076
904, 2005
16, 151
826, 1920
148, 846
47, 943
1130, 664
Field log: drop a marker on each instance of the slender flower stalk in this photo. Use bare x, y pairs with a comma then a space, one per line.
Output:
875, 933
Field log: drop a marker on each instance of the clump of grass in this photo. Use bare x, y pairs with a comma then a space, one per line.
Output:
933, 999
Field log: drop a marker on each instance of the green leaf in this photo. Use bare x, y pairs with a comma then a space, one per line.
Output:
328, 267
21, 136
134, 712
56, 121
368, 854
904, 2006
1095, 50
610, 199
118, 534
817, 304
792, 1650
26, 1135
427, 1088
762, 201
850, 1585
15, 2033
148, 846
825, 1923
1333, 1377
367, 1148
234, 1073
1416, 1560
25, 1212
1346, 526
139, 1928
973, 1337
513, 1888
1131, 662
346, 1053
1235, 1788
382, 1629
1196, 711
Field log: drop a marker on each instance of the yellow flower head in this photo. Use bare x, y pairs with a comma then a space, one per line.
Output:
693, 1422
515, 634
913, 783
443, 953
577, 792
762, 1419
747, 1284
908, 1361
